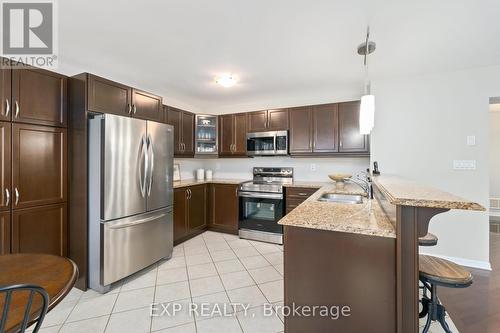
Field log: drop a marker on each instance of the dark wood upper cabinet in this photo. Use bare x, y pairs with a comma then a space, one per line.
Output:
107, 96
301, 129
180, 213
224, 210
5, 232
39, 97
197, 201
39, 159
183, 123
350, 140
240, 134
174, 118
5, 93
257, 121
226, 134
146, 106
188, 120
268, 120
277, 119
325, 128
232, 134
40, 230
5, 166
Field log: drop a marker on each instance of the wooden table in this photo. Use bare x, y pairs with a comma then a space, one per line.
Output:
57, 275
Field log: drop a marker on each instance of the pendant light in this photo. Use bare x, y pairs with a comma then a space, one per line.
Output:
367, 106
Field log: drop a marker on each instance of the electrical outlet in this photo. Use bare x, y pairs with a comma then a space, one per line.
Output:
464, 164
313, 167
471, 140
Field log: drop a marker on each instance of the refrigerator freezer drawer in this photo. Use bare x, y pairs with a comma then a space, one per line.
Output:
133, 243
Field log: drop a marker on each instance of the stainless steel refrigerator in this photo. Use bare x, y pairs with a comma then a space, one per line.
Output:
130, 196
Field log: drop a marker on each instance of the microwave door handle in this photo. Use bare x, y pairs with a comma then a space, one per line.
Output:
275, 148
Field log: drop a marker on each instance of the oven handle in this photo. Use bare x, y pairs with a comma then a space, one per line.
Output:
261, 195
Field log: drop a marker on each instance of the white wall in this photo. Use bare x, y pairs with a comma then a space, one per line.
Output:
421, 127
495, 154
241, 168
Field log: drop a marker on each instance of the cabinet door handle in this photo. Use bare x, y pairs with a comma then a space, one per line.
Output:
16, 114
129, 108
134, 109
7, 197
302, 194
340, 143
7, 107
17, 196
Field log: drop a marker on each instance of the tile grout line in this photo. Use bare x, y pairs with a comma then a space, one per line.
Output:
189, 283
256, 284
218, 274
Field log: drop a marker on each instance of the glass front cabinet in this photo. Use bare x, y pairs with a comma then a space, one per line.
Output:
206, 135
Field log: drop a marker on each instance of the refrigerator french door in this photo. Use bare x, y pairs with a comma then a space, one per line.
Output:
130, 197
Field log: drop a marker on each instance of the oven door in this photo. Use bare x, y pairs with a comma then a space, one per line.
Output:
261, 211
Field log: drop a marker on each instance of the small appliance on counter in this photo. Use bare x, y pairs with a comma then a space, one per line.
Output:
208, 174
200, 174
262, 204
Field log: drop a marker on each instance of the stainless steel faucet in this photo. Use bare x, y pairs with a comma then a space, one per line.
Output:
365, 183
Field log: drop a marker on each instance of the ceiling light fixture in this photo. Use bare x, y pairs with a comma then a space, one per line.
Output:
367, 107
227, 80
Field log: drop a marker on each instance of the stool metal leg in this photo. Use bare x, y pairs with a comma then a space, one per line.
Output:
435, 312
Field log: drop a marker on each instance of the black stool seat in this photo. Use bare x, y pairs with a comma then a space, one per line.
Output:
428, 240
443, 272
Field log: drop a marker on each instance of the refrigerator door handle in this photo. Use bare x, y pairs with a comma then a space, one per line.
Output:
144, 156
151, 152
121, 225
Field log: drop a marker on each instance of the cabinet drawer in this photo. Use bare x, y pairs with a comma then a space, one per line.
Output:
300, 192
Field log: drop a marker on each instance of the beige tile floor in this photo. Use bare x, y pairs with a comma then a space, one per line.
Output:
213, 267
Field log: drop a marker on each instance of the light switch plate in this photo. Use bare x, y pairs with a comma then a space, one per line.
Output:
464, 164
471, 140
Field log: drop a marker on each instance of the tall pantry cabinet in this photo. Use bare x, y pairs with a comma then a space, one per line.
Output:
33, 161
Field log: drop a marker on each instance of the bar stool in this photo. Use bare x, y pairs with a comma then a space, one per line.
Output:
428, 240
439, 272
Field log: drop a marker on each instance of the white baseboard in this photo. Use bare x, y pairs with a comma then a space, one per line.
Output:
485, 265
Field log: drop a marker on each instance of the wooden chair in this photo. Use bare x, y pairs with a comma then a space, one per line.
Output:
439, 272
25, 294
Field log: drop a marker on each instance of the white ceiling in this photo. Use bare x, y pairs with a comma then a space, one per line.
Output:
278, 47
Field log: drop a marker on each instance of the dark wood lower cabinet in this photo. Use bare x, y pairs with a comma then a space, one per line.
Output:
180, 227
190, 211
4, 232
337, 269
40, 230
297, 195
197, 203
224, 208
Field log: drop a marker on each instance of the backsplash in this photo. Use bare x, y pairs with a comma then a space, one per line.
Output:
241, 168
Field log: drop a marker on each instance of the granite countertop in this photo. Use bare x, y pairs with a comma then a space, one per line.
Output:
399, 191
367, 218
191, 182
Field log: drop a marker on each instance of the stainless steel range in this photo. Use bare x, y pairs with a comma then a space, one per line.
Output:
262, 204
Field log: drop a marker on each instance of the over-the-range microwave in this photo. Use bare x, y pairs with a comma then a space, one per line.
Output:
272, 143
